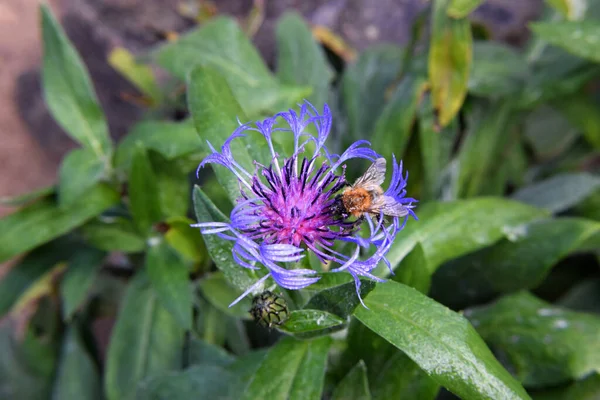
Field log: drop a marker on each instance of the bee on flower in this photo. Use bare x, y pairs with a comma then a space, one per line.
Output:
299, 204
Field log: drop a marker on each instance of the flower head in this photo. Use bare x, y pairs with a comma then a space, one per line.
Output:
292, 205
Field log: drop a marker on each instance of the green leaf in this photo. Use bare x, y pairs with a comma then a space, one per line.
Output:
220, 45
27, 198
413, 270
559, 192
390, 372
144, 203
29, 342
139, 74
549, 133
521, 261
311, 323
69, 91
215, 109
498, 70
436, 149
450, 54
440, 341
462, 8
168, 276
186, 241
544, 345
77, 376
173, 140
198, 381
340, 300
220, 294
172, 184
79, 171
393, 127
582, 297
301, 376
219, 249
35, 264
354, 385
145, 340
571, 9
447, 230
368, 78
586, 389
581, 38
483, 147
77, 281
300, 59
113, 234
200, 352
582, 112
43, 221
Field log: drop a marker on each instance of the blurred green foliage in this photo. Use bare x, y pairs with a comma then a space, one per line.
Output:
495, 292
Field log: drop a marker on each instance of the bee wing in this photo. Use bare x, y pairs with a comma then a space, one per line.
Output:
373, 177
388, 206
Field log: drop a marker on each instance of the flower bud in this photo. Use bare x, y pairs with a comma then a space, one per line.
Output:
269, 309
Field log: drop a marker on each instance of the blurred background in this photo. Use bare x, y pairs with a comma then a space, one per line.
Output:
33, 144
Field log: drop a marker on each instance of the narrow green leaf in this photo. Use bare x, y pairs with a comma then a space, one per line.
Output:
220, 294
77, 376
146, 340
310, 321
440, 341
571, 9
173, 140
172, 184
113, 234
520, 261
436, 148
301, 376
215, 112
301, 60
582, 297
582, 112
498, 70
413, 270
43, 221
27, 198
369, 78
143, 192
447, 230
462, 8
354, 385
200, 352
219, 249
340, 300
545, 345
224, 48
549, 132
581, 38
559, 192
390, 372
139, 74
187, 241
168, 276
586, 389
393, 127
79, 171
69, 91
77, 281
450, 54
28, 270
483, 148
198, 381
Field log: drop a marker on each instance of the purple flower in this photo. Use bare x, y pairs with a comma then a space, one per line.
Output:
292, 205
